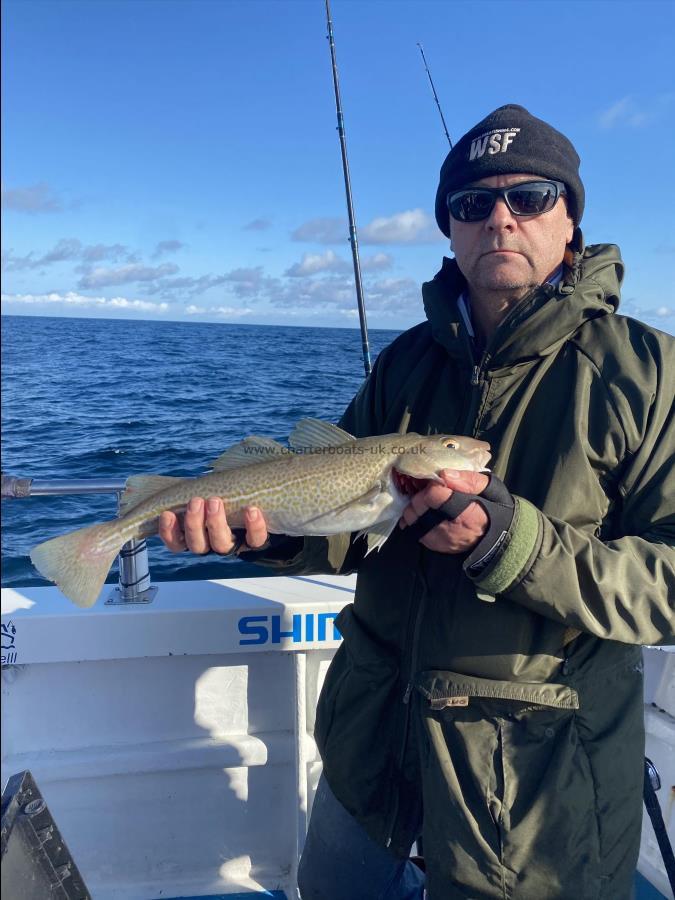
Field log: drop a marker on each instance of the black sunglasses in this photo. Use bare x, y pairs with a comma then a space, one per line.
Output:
529, 198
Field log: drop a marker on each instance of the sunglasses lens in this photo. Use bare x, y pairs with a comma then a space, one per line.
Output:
532, 200
471, 206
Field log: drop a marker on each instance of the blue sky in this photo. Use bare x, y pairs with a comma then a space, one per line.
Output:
179, 160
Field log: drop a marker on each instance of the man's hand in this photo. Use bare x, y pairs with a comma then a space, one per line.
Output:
204, 528
461, 534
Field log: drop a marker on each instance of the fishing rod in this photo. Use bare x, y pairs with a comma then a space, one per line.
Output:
445, 127
350, 206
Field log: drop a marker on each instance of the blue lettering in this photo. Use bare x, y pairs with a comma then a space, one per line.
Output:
263, 629
278, 634
246, 627
323, 619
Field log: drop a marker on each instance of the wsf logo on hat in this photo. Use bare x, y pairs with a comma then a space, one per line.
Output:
495, 141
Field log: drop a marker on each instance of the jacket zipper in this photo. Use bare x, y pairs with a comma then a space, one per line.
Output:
477, 377
416, 638
418, 607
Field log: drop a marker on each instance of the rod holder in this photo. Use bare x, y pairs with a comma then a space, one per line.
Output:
134, 576
134, 570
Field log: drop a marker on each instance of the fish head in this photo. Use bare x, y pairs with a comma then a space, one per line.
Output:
424, 458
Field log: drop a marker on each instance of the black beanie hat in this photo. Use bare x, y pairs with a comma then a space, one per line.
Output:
510, 140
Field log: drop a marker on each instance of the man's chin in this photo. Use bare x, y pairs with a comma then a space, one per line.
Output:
505, 283
504, 276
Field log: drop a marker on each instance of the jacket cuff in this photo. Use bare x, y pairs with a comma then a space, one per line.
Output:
514, 557
280, 552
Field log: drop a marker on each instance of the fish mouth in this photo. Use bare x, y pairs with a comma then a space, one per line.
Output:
407, 485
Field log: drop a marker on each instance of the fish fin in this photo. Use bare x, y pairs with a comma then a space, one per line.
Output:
377, 534
140, 487
312, 433
364, 500
79, 562
249, 452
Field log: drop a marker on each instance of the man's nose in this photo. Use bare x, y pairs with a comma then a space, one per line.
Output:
501, 218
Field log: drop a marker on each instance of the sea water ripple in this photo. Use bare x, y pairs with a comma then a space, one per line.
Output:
99, 398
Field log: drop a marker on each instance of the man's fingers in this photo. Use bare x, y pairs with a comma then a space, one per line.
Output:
171, 532
256, 528
467, 482
206, 528
196, 535
219, 534
430, 497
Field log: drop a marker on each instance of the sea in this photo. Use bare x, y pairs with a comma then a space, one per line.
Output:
103, 398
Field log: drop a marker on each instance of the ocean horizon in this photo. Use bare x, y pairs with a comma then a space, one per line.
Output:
183, 321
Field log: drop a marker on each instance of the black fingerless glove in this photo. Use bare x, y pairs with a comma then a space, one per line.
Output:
498, 503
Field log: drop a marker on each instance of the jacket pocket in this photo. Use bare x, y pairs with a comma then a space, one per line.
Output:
522, 800
357, 687
355, 728
450, 689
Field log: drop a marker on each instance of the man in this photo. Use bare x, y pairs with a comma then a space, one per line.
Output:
488, 691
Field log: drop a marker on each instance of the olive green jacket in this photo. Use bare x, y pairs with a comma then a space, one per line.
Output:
509, 709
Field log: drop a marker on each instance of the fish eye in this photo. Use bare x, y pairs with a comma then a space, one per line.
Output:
450, 444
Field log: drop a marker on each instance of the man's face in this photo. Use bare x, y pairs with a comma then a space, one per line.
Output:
506, 252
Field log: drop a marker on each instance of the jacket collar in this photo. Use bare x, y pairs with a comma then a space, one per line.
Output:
543, 320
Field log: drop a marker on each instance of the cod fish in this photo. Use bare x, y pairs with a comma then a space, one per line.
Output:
325, 482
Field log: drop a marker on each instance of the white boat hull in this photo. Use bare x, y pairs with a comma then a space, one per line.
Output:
173, 741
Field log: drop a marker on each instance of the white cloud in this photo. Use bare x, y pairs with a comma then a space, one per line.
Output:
102, 277
72, 299
114, 252
337, 294
394, 294
322, 231
313, 263
258, 225
185, 284
377, 262
250, 282
66, 250
164, 247
35, 198
231, 310
412, 226
635, 112
328, 292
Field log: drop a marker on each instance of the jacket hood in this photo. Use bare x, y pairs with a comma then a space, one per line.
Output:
544, 319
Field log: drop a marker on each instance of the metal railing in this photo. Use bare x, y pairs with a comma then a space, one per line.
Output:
134, 572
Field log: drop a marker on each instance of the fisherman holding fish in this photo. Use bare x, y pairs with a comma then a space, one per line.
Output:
487, 695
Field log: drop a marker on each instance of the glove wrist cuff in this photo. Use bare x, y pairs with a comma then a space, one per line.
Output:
499, 504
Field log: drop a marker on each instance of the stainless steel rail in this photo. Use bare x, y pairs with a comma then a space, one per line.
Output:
15, 488
134, 573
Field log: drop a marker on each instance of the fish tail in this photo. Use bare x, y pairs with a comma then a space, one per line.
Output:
79, 562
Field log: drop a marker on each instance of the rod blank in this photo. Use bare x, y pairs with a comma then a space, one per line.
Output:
433, 89
350, 207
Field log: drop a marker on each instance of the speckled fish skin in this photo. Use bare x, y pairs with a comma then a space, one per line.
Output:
297, 489
343, 485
